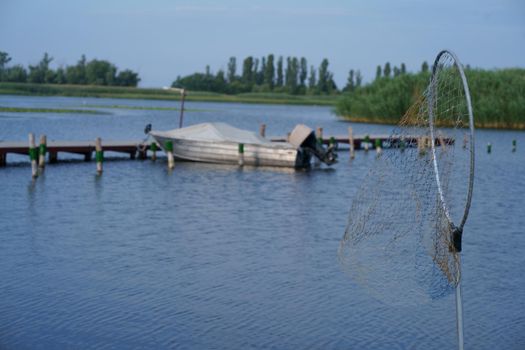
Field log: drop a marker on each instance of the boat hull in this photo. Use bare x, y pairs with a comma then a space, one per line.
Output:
226, 152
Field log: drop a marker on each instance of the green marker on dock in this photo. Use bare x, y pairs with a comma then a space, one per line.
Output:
42, 150
153, 148
241, 154
367, 142
99, 155
169, 152
378, 144
33, 153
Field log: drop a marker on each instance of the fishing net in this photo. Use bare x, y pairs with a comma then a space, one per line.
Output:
403, 237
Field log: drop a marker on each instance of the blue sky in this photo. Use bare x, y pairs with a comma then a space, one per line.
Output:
162, 39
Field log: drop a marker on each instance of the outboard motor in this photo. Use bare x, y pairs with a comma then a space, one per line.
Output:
304, 137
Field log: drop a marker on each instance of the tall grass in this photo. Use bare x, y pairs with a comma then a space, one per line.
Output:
498, 98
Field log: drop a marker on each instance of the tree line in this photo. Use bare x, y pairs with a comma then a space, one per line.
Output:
93, 72
498, 96
267, 74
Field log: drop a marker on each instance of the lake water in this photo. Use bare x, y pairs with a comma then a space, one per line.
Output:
217, 257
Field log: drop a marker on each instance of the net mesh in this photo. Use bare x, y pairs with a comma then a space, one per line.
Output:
398, 241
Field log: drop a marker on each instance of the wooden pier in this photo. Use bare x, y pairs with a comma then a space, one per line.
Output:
137, 148
133, 148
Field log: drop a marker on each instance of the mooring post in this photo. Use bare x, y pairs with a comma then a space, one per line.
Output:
489, 148
169, 152
351, 142
514, 145
42, 152
241, 154
421, 145
99, 155
33, 155
367, 142
402, 144
153, 148
465, 140
378, 145
262, 130
332, 142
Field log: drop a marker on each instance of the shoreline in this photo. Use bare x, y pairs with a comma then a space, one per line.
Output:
116, 92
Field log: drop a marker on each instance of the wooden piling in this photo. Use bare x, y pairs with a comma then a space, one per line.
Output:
153, 148
465, 140
262, 130
378, 145
351, 142
169, 153
421, 145
99, 155
332, 143
241, 154
489, 148
514, 145
33, 155
42, 152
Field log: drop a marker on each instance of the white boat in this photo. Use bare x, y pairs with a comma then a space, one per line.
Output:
225, 144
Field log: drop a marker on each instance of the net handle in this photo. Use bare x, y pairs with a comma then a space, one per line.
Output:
435, 70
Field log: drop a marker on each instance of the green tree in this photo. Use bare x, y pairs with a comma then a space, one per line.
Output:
325, 83
350, 84
220, 82
100, 72
60, 76
378, 72
387, 70
232, 69
358, 79
16, 74
259, 79
4, 60
127, 78
247, 71
269, 73
280, 76
312, 81
303, 72
41, 73
255, 70
292, 71
424, 67
403, 68
397, 71
77, 74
